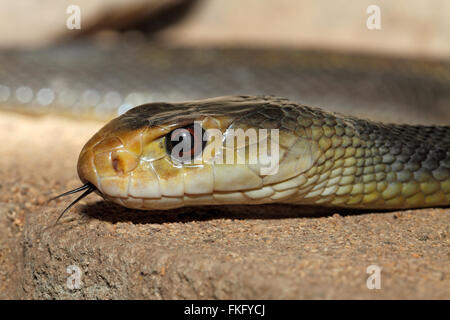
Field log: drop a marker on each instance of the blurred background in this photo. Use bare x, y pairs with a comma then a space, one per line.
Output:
320, 53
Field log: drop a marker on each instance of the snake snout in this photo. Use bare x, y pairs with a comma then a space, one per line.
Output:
108, 164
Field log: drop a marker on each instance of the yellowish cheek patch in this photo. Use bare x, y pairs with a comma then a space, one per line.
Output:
154, 150
170, 177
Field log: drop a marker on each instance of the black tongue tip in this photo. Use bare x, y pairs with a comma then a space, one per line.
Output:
83, 187
88, 188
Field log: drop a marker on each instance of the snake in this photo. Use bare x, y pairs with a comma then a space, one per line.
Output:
323, 158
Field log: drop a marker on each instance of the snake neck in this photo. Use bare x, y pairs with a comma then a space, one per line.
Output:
373, 165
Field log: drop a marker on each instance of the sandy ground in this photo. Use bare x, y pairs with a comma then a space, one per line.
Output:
272, 252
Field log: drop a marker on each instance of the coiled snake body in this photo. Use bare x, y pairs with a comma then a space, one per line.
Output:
324, 158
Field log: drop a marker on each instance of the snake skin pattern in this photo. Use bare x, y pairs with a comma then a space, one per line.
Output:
325, 158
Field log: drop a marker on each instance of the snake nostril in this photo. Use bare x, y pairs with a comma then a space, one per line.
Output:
123, 161
115, 164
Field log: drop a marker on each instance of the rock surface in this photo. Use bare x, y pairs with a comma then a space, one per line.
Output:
240, 252
235, 253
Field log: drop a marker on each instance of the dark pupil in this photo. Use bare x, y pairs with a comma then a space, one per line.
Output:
185, 143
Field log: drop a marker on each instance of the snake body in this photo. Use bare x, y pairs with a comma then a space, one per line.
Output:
92, 79
324, 158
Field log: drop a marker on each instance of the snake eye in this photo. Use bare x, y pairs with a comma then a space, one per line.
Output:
185, 143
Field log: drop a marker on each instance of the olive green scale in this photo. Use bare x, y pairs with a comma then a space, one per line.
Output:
364, 164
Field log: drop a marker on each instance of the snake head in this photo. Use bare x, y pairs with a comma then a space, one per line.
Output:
135, 159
